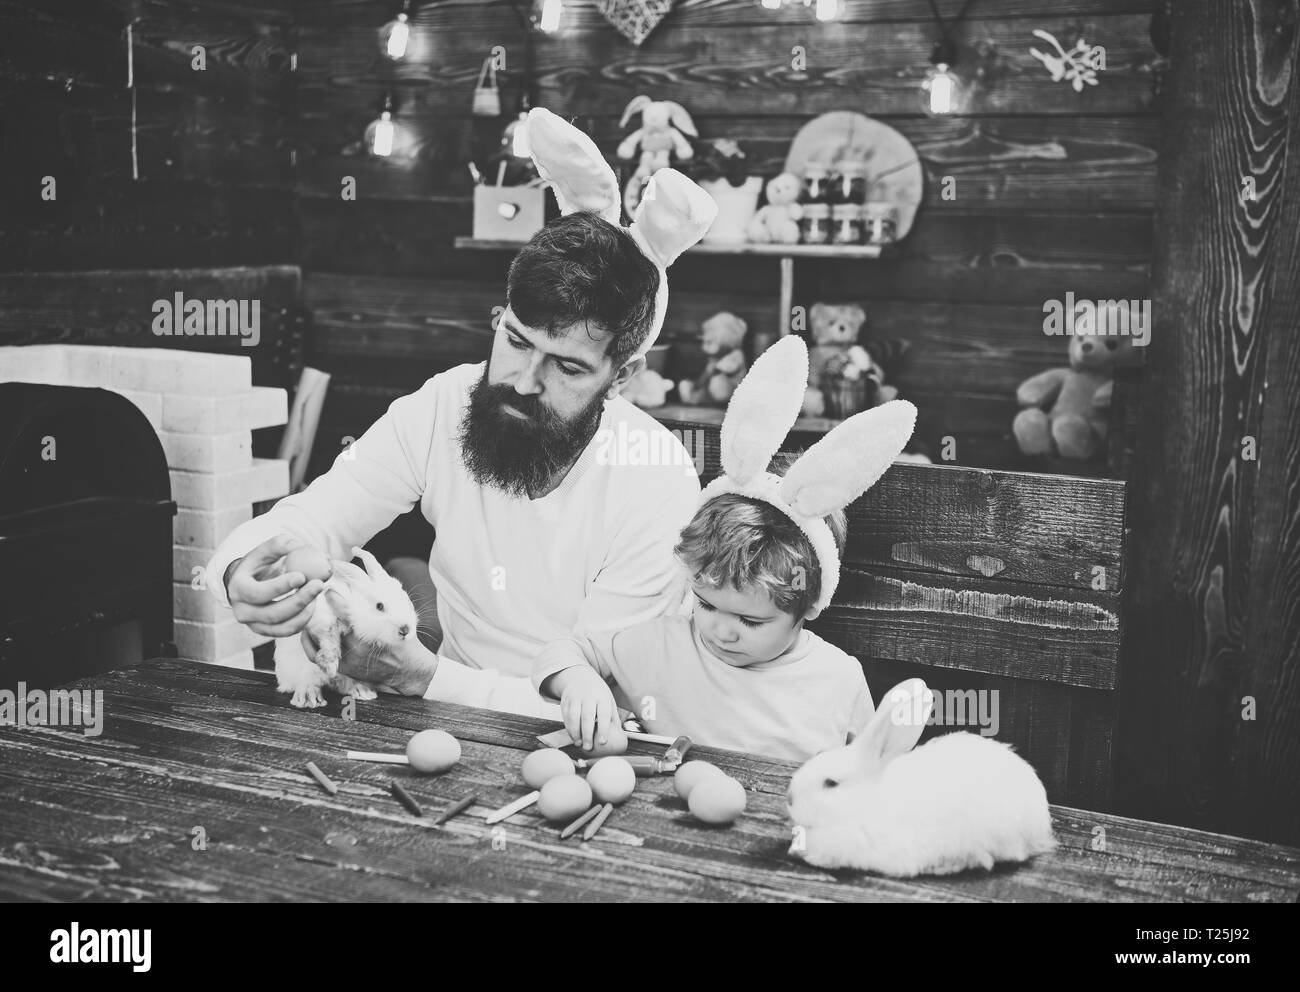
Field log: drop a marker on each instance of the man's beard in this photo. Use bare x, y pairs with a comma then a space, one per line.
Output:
521, 457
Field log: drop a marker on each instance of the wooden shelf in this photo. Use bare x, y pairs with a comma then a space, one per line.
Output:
784, 254
712, 416
705, 248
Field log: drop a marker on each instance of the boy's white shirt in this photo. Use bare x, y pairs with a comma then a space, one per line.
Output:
511, 575
811, 698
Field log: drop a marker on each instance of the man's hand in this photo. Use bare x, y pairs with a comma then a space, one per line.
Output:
407, 668
255, 599
586, 705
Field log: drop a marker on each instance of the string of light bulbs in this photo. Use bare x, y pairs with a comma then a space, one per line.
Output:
943, 90
825, 10
394, 43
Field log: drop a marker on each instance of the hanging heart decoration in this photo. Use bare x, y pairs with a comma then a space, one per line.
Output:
635, 19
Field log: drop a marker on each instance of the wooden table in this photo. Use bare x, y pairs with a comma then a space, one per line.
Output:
196, 791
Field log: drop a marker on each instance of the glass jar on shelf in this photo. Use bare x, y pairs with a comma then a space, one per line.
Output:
815, 224
881, 223
816, 181
849, 183
846, 224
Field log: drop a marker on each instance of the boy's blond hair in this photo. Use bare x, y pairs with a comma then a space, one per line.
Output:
748, 544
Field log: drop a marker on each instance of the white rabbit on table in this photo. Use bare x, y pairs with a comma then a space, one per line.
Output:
959, 801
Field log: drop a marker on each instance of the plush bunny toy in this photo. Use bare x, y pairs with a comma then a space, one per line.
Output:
659, 137
828, 476
959, 801
673, 213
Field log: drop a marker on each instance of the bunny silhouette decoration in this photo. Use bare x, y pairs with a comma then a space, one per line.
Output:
673, 214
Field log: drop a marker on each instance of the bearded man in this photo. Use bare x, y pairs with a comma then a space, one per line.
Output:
539, 532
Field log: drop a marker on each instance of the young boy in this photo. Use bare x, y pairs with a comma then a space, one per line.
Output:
740, 671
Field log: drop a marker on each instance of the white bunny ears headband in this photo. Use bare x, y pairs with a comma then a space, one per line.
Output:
828, 476
674, 213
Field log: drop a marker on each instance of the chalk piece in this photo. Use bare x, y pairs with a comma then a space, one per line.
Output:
392, 759
577, 824
523, 802
457, 807
322, 778
405, 799
596, 824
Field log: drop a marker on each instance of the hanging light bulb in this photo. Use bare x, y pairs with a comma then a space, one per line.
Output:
549, 18
828, 10
943, 91
394, 35
379, 134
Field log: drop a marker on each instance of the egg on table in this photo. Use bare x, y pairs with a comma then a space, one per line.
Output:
311, 562
611, 779
542, 766
615, 744
432, 751
691, 774
564, 797
717, 799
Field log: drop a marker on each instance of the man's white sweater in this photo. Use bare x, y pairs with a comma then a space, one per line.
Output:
511, 574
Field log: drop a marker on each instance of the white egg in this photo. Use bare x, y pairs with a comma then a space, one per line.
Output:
616, 744
690, 774
432, 751
542, 766
564, 797
717, 799
612, 780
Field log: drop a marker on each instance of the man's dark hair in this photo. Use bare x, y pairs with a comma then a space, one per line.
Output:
581, 268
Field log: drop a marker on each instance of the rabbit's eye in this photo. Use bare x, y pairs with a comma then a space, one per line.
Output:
1112, 345
830, 783
379, 607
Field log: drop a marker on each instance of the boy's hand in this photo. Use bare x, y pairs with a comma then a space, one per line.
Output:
587, 706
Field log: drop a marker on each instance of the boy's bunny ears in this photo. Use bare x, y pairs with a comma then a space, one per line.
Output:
828, 476
674, 213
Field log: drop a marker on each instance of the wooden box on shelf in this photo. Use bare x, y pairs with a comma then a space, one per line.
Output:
508, 213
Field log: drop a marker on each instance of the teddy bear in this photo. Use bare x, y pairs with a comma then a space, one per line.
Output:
1066, 409
836, 354
722, 337
778, 220
648, 389
659, 139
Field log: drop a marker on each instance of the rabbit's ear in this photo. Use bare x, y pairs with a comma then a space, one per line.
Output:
682, 120
763, 409
673, 215
373, 568
898, 723
574, 166
349, 572
637, 104
849, 460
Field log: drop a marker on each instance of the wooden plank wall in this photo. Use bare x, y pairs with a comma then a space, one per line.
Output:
115, 307
1054, 189
213, 146
1210, 732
